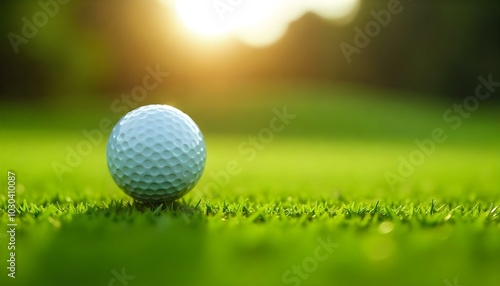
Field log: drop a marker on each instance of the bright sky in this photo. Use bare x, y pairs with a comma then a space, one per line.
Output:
256, 22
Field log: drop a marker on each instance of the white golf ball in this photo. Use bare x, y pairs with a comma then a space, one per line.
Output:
156, 153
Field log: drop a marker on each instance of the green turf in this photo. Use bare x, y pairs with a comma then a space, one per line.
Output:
309, 187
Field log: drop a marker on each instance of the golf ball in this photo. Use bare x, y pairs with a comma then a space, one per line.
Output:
156, 153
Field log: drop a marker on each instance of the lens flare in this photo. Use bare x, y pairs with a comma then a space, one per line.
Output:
255, 22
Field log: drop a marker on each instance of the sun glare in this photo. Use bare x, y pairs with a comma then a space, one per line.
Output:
255, 22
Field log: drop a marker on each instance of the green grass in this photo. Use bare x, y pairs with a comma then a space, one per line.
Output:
310, 185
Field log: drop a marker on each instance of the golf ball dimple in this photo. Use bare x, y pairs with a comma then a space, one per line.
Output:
156, 153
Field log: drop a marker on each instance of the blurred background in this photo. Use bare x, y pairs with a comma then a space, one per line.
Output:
96, 50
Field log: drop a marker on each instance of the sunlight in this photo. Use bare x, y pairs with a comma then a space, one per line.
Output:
255, 22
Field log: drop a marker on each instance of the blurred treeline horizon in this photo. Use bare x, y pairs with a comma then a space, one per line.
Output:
95, 48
